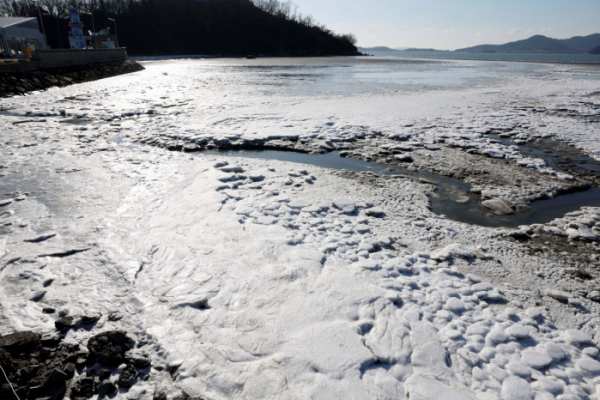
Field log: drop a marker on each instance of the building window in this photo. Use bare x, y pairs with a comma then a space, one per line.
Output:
17, 44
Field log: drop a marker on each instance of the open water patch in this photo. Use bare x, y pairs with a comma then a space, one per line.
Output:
557, 154
450, 197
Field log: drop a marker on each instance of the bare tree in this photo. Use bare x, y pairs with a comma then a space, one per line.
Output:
350, 38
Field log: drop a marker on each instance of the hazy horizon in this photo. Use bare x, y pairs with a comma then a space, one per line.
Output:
453, 25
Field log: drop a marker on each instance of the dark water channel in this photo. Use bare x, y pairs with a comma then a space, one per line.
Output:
446, 192
557, 154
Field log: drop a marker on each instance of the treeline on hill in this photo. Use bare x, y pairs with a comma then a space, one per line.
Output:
170, 27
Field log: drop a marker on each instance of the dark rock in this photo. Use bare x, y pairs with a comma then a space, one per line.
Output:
50, 340
519, 235
48, 310
20, 342
70, 369
104, 374
83, 388
110, 347
24, 373
35, 371
45, 353
82, 353
90, 318
55, 378
140, 360
106, 388
114, 317
39, 295
127, 377
159, 394
57, 392
36, 392
65, 323
71, 358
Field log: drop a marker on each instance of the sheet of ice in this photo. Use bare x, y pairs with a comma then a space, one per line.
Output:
255, 288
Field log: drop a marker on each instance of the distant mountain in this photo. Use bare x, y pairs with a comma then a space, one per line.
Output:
583, 43
595, 50
540, 44
377, 48
426, 50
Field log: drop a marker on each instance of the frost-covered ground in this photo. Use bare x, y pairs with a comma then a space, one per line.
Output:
264, 279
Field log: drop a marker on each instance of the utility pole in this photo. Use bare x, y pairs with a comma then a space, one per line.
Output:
93, 27
56, 19
41, 20
116, 31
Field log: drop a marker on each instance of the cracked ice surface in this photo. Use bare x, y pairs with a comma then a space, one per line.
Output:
257, 288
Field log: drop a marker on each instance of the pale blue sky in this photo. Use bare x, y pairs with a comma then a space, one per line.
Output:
451, 24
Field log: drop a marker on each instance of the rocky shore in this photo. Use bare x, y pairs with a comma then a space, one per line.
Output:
48, 367
12, 84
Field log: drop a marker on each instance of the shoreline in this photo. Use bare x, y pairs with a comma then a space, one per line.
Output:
211, 57
596, 64
218, 57
237, 276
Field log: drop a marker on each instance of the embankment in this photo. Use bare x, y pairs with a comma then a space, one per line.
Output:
51, 68
14, 83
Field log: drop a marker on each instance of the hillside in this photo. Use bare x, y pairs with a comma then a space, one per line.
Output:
583, 43
540, 44
595, 50
426, 50
216, 27
377, 48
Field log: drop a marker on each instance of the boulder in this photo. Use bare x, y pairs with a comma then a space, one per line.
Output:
65, 323
83, 388
20, 342
106, 387
110, 347
128, 376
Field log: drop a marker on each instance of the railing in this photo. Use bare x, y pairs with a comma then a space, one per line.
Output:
64, 58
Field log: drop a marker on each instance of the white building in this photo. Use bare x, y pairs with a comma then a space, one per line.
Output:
18, 33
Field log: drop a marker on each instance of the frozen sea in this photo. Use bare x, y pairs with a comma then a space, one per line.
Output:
248, 278
540, 58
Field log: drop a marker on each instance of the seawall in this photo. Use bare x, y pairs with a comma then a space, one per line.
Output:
50, 68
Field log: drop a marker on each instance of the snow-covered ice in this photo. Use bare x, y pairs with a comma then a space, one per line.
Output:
257, 279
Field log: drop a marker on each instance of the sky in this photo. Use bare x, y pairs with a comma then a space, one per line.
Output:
453, 24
